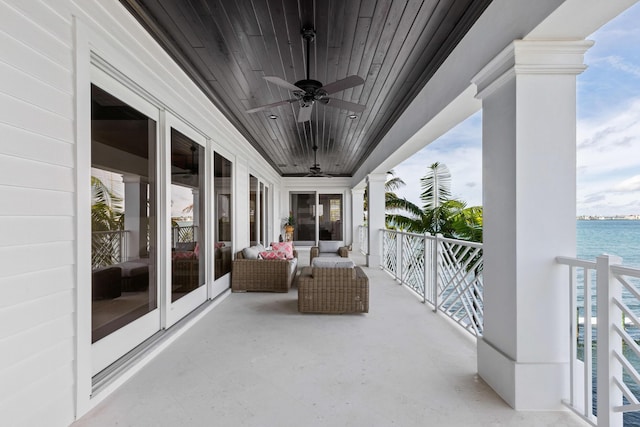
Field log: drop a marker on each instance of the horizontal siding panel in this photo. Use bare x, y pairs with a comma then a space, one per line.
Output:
31, 286
32, 369
31, 34
59, 407
29, 145
17, 260
58, 383
18, 318
18, 201
32, 174
24, 230
24, 58
51, 21
20, 85
18, 347
32, 117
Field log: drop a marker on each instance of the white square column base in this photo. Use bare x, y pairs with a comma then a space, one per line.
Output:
524, 386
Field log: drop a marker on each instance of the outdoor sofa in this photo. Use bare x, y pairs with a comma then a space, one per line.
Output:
262, 275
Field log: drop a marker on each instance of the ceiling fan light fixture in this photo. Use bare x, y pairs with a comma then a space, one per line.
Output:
353, 116
307, 91
273, 116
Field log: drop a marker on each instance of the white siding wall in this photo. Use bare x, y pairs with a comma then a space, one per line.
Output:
37, 211
38, 214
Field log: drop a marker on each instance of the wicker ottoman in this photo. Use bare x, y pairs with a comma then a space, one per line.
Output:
333, 290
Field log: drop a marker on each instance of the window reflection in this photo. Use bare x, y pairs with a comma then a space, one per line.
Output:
330, 216
187, 214
123, 220
253, 209
223, 215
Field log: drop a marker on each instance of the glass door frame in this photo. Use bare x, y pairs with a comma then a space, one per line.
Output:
315, 214
112, 347
176, 310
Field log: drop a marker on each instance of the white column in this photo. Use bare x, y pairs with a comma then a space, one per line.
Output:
528, 95
375, 217
135, 204
357, 216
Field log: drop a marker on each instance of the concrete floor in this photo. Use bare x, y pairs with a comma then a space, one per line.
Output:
255, 361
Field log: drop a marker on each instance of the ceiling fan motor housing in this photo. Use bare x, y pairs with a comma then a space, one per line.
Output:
311, 90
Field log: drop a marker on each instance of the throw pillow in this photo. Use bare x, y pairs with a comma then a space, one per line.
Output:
252, 252
181, 255
272, 255
284, 247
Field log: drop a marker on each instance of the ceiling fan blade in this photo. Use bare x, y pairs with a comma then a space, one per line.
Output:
345, 105
266, 107
304, 115
282, 83
346, 83
318, 175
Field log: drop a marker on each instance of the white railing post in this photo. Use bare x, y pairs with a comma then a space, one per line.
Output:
609, 343
399, 254
425, 248
434, 271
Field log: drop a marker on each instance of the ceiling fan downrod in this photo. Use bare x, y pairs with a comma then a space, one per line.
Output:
311, 89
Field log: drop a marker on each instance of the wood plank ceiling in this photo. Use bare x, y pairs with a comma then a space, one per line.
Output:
228, 46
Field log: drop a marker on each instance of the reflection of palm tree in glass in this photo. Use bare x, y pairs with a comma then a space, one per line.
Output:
107, 215
107, 211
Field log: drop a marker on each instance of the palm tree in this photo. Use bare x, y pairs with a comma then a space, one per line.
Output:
439, 214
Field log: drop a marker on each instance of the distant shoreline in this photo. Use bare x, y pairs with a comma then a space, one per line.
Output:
608, 218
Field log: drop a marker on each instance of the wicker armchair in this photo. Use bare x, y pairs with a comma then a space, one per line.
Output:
333, 290
263, 275
328, 248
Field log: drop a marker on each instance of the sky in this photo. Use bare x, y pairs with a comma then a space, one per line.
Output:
608, 132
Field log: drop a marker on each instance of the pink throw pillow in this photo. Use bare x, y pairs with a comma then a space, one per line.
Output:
284, 247
272, 255
181, 255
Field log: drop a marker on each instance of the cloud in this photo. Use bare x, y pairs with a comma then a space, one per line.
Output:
629, 185
610, 142
619, 63
461, 150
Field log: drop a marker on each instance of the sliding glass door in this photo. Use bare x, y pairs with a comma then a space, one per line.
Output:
330, 217
124, 286
318, 217
188, 191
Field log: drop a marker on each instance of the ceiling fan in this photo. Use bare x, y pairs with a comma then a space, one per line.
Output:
308, 91
315, 171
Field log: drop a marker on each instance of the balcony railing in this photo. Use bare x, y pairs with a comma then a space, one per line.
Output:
446, 273
604, 379
604, 315
363, 235
183, 234
108, 247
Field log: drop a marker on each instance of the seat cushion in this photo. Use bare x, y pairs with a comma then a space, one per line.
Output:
332, 262
329, 246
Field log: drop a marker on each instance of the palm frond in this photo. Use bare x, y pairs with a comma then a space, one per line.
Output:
436, 186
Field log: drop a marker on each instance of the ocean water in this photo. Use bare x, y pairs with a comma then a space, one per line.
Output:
621, 238
612, 237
